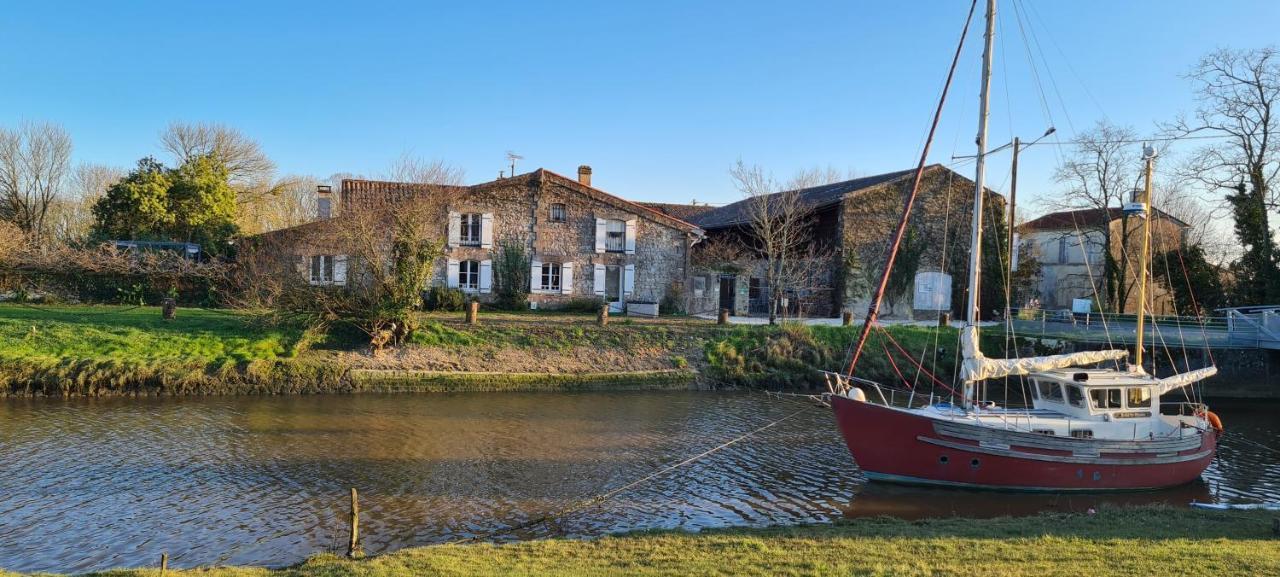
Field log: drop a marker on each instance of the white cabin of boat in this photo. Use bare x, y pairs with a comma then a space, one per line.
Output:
1095, 394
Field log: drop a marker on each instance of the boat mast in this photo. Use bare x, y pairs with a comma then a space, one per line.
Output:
1149, 155
975, 242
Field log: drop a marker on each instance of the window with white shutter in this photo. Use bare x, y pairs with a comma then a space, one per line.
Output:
470, 225
615, 239
469, 275
486, 276
566, 278
550, 277
629, 237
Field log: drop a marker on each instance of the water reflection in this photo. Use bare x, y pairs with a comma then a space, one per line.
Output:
91, 484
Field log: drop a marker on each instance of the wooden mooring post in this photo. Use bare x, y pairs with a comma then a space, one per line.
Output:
602, 318
353, 548
1275, 526
473, 312
723, 319
168, 309
164, 563
846, 318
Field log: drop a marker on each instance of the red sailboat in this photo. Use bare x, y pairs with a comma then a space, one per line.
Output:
1086, 429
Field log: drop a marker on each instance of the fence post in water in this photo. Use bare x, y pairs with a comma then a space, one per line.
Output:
164, 563
846, 318
353, 548
723, 319
473, 312
602, 318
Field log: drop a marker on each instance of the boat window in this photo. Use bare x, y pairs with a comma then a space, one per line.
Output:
1051, 391
1075, 396
1083, 433
1048, 432
1139, 397
1035, 394
1105, 398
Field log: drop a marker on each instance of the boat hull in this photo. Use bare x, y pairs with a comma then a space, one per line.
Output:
902, 446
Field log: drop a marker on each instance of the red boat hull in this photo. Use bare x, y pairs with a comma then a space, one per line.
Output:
901, 446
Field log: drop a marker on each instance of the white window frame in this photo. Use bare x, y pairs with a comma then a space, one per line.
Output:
551, 277
558, 212
615, 235
469, 275
470, 229
327, 269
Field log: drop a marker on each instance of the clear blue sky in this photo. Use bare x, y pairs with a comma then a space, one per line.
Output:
659, 97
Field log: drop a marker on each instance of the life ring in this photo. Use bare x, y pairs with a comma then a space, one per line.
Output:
1214, 421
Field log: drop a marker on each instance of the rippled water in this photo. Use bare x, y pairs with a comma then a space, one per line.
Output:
91, 484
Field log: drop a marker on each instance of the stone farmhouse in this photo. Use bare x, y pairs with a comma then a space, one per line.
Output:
1069, 245
583, 243
851, 222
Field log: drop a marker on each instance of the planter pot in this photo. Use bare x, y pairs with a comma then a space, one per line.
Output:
642, 309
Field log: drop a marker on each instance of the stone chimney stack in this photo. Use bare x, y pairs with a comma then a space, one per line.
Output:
324, 201
584, 175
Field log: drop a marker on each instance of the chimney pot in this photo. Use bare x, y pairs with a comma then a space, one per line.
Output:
324, 201
584, 175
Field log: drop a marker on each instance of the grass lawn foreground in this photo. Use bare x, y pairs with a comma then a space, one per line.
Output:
1146, 541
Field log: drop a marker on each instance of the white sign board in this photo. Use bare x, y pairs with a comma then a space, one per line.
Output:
932, 292
1082, 306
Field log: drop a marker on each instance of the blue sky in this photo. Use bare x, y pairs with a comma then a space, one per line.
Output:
659, 97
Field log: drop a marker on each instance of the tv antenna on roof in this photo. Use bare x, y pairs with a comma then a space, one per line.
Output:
513, 157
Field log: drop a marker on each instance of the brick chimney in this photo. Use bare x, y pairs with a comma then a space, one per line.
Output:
584, 175
324, 201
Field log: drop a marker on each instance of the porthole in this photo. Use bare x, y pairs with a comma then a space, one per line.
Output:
975, 463
943, 459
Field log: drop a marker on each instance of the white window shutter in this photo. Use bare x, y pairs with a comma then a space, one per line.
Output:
631, 236
600, 234
340, 269
566, 278
486, 276
305, 265
451, 277
628, 280
486, 230
597, 280
455, 228
535, 276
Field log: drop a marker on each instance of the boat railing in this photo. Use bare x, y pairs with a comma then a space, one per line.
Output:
1183, 409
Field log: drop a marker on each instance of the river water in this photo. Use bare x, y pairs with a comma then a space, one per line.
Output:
88, 484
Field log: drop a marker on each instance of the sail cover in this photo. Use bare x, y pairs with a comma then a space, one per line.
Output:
1181, 380
977, 367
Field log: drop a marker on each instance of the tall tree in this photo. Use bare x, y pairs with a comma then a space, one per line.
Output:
34, 161
136, 207
1100, 174
1238, 93
202, 204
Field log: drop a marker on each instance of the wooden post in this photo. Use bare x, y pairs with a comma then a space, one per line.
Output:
473, 312
944, 320
723, 319
164, 563
603, 317
168, 309
1275, 526
846, 318
353, 549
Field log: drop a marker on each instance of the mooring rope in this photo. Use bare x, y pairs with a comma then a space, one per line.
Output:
614, 492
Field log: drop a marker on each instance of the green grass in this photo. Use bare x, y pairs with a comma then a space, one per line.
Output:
113, 349
1138, 542
139, 334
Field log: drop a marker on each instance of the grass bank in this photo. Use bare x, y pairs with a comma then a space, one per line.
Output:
1139, 541
105, 350
97, 350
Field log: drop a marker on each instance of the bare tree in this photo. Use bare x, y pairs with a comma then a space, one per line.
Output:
778, 227
71, 216
1238, 92
248, 167
410, 168
1100, 174
34, 161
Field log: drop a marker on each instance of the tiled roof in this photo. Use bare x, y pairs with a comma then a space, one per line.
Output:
680, 211
1070, 219
815, 197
